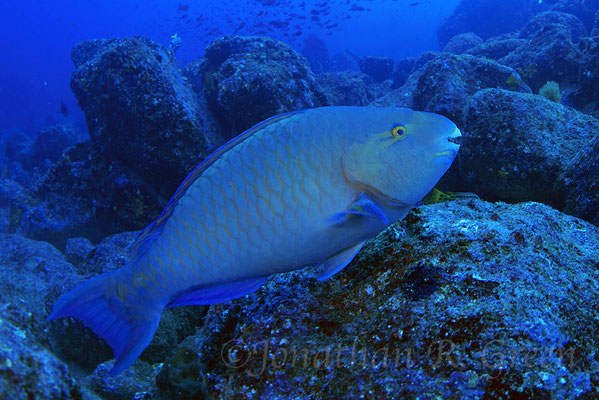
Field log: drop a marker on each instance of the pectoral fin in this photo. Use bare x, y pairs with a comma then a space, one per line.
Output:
364, 206
338, 261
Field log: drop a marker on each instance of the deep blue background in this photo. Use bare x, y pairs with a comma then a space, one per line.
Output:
37, 37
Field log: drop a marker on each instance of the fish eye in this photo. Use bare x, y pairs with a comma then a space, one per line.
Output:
399, 131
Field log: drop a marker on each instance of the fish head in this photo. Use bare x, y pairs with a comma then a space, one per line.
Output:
401, 154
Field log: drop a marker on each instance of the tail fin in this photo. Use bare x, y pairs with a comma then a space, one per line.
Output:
127, 328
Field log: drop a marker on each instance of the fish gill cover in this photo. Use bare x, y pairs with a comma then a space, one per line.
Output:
485, 288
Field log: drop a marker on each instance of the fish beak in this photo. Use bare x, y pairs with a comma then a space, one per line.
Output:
448, 154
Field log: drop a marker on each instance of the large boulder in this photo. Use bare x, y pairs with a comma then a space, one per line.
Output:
402, 71
148, 131
486, 18
249, 79
462, 42
32, 276
496, 48
316, 53
448, 80
350, 88
549, 52
140, 111
517, 147
582, 9
443, 82
573, 25
586, 97
380, 68
30, 371
86, 195
581, 182
466, 299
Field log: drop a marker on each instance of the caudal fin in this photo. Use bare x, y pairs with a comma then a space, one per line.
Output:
127, 328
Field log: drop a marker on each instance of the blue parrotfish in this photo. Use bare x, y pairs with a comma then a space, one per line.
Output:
300, 189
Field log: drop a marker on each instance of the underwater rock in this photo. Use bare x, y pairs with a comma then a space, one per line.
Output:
17, 148
473, 16
462, 42
28, 370
380, 68
45, 149
316, 53
402, 96
581, 183
444, 83
573, 25
402, 71
140, 111
11, 196
586, 97
346, 61
135, 383
548, 54
350, 88
32, 276
85, 195
496, 48
582, 9
77, 250
50, 144
249, 79
465, 299
516, 147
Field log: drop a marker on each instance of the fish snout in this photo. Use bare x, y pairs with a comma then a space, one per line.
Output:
450, 148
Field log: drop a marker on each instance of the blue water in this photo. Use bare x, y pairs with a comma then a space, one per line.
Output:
37, 37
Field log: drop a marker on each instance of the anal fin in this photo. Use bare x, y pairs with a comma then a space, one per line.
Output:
217, 294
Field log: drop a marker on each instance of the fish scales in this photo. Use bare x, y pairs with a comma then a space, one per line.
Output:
305, 183
303, 188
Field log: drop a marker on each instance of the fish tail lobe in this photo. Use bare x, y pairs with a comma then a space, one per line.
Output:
126, 323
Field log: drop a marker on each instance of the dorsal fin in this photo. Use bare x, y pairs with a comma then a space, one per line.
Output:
153, 230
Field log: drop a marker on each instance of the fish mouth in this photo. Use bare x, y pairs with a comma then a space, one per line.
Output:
453, 145
455, 137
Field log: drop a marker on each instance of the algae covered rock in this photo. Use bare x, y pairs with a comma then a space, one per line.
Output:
473, 16
496, 48
442, 83
516, 147
35, 271
550, 52
249, 79
581, 183
448, 80
586, 97
350, 88
86, 195
465, 299
135, 383
573, 25
29, 371
380, 68
140, 111
462, 42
